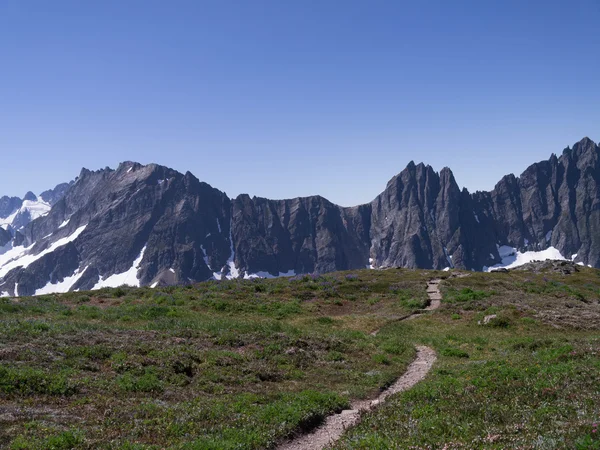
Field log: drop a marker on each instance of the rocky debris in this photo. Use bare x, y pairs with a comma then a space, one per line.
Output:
487, 319
559, 266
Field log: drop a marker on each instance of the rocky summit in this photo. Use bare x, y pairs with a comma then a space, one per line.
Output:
151, 225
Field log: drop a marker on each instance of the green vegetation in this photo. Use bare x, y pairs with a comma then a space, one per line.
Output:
245, 364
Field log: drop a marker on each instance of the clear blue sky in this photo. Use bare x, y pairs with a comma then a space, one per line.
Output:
289, 98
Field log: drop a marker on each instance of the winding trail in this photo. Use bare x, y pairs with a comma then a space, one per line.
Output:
335, 425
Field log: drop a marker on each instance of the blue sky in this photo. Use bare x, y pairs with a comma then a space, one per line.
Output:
291, 98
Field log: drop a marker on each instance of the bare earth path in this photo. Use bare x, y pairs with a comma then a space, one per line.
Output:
334, 425
435, 296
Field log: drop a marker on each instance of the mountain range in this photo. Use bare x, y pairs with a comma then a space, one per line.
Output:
151, 225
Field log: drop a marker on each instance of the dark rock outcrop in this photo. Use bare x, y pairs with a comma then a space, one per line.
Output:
52, 196
9, 205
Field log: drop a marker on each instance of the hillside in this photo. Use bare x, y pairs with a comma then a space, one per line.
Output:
248, 364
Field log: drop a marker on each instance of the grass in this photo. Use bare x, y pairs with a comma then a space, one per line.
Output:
245, 364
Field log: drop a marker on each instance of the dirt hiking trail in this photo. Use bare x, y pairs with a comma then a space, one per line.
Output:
334, 426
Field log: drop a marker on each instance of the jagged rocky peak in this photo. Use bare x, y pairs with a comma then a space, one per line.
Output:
52, 196
9, 205
30, 196
151, 225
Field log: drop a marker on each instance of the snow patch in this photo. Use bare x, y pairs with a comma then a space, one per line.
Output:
153, 285
289, 273
205, 257
234, 272
370, 265
446, 269
172, 270
218, 226
130, 169
448, 257
129, 277
18, 257
64, 224
476, 218
32, 208
61, 286
511, 257
4, 223
548, 236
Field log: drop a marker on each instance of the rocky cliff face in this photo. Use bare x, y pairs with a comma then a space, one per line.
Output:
151, 225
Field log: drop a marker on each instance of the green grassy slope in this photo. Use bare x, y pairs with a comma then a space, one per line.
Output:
244, 364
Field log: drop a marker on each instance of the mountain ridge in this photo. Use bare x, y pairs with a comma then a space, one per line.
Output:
184, 230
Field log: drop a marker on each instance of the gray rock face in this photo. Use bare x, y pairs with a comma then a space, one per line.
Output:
303, 235
152, 225
9, 205
5, 237
52, 196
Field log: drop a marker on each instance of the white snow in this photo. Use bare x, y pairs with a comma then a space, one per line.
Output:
18, 256
205, 257
4, 294
4, 223
476, 218
16, 289
446, 269
61, 286
154, 284
370, 265
448, 257
129, 277
64, 224
161, 181
289, 273
172, 270
35, 209
513, 258
130, 169
491, 256
208, 235
526, 241
218, 226
573, 256
548, 236
234, 272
